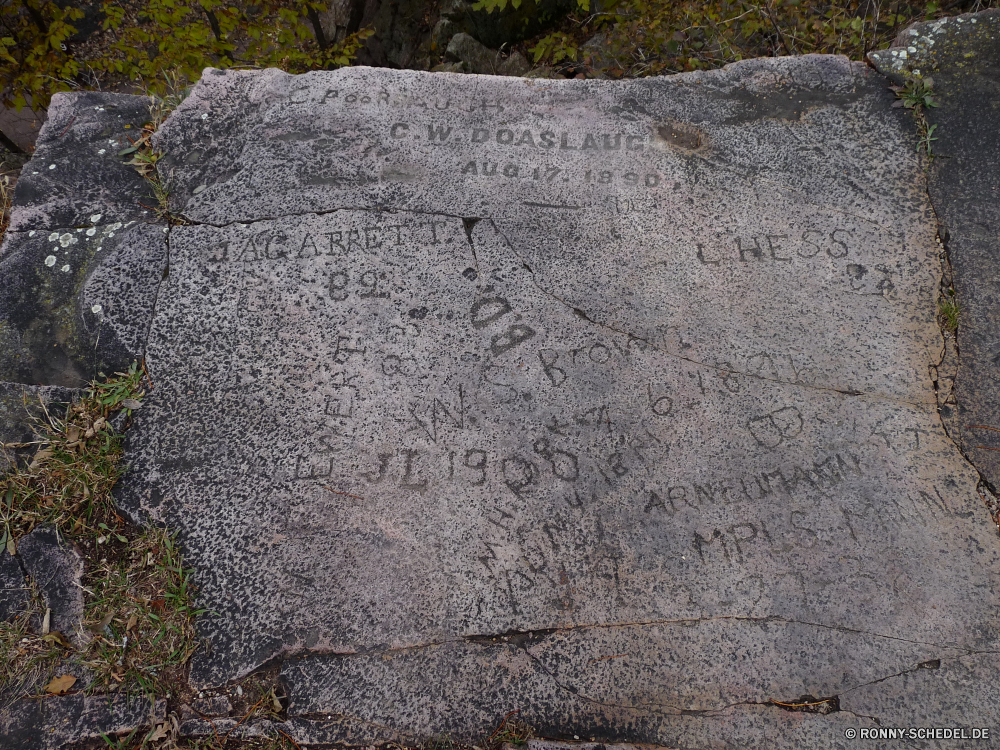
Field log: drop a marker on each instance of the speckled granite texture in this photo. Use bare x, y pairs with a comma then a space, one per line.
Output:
611, 402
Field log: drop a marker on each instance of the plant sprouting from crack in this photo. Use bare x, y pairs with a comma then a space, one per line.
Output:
146, 153
917, 94
948, 305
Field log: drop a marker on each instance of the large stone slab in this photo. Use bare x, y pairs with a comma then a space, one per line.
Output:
55, 567
962, 56
581, 433
608, 401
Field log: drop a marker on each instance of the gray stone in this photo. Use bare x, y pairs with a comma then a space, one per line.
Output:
13, 587
76, 171
515, 65
218, 705
962, 55
79, 300
55, 567
480, 58
21, 406
608, 400
53, 723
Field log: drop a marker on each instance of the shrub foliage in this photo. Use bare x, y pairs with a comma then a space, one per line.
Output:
160, 36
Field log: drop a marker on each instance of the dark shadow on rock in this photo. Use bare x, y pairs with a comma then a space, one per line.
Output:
52, 723
55, 568
78, 301
13, 587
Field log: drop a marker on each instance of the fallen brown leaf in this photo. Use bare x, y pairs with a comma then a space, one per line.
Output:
40, 456
131, 622
158, 733
60, 685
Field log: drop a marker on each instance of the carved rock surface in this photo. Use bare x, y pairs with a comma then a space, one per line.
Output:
609, 401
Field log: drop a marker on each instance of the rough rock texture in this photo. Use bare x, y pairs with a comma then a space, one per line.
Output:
481, 59
78, 301
20, 406
13, 587
504, 27
55, 568
610, 401
962, 55
52, 723
76, 171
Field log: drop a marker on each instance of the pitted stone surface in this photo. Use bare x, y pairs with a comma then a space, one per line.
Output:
20, 408
962, 56
652, 191
56, 568
53, 723
77, 301
634, 373
605, 400
76, 172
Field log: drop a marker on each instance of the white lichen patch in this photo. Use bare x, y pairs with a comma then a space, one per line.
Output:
52, 166
92, 231
96, 309
65, 268
31, 233
116, 226
102, 152
50, 261
67, 239
54, 236
95, 218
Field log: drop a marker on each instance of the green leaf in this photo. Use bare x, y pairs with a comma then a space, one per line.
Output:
129, 150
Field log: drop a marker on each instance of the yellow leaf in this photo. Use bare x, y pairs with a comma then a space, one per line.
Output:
60, 685
56, 637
